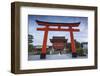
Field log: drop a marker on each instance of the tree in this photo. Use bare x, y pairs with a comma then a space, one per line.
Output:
78, 47
77, 44
30, 38
69, 47
30, 41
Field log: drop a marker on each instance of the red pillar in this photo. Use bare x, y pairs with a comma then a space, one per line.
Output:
74, 54
43, 53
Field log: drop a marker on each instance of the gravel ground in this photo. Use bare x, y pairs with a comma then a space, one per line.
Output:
54, 57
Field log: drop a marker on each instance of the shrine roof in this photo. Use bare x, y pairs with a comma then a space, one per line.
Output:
45, 23
58, 39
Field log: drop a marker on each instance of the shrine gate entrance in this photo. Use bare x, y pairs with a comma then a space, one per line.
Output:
47, 28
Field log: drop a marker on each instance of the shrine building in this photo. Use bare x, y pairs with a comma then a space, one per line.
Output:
58, 43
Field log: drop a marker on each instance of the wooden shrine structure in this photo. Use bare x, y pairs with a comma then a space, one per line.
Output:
47, 28
58, 43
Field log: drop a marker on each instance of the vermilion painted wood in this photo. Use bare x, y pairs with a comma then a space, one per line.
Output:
45, 40
58, 29
72, 41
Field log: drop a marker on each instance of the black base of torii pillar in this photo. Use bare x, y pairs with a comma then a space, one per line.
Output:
43, 56
74, 55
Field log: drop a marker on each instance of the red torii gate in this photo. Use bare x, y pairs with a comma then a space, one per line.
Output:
47, 28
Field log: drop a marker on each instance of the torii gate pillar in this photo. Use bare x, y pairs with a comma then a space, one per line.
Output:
43, 54
73, 48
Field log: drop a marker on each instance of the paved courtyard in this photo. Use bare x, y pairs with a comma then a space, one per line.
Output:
54, 57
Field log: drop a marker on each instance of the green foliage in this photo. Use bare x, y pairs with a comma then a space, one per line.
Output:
30, 47
48, 52
38, 52
80, 51
79, 48
30, 38
69, 47
77, 44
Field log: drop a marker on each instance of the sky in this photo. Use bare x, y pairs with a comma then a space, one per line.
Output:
81, 36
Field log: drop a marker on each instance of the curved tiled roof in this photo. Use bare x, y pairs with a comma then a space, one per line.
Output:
43, 23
